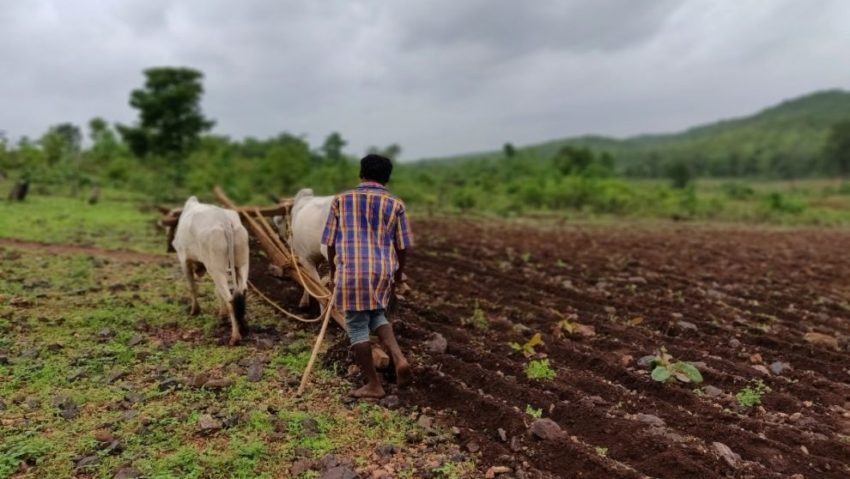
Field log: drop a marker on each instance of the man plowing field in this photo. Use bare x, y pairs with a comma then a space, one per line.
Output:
367, 235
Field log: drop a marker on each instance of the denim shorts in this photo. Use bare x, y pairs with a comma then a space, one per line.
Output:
361, 323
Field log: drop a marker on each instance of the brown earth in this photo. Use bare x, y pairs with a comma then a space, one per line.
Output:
752, 295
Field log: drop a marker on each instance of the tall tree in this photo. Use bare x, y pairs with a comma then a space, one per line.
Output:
170, 117
332, 148
392, 151
837, 149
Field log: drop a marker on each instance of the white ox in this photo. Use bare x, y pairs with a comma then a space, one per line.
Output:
213, 239
308, 216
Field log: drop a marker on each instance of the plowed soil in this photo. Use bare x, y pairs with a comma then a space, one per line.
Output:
751, 294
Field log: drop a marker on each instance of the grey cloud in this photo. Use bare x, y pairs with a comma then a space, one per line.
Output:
438, 77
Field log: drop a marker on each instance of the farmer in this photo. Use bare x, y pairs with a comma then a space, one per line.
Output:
367, 235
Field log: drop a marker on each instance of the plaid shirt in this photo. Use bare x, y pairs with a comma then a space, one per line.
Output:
366, 226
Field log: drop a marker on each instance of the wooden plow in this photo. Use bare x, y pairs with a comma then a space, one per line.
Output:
279, 254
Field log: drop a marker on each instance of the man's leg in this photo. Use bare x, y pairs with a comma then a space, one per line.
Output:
384, 330
357, 323
363, 356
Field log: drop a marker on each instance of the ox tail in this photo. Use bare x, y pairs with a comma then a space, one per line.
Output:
238, 300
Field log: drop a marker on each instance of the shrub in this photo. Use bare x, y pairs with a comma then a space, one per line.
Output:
750, 396
539, 369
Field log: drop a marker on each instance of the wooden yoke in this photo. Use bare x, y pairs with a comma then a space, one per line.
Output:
278, 253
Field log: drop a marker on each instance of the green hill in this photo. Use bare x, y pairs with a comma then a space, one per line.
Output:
783, 140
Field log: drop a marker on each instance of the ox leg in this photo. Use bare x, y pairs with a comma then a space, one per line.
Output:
222, 290
189, 271
310, 269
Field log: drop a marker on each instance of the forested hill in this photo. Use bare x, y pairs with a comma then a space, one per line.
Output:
784, 140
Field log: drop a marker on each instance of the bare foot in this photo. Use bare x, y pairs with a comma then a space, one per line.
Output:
367, 391
403, 374
234, 339
194, 309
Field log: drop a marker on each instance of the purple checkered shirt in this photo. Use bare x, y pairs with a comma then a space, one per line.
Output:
366, 226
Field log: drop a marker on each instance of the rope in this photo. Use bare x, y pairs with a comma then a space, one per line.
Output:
298, 269
285, 312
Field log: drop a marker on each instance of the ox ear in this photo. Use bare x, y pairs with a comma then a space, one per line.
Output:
169, 233
163, 210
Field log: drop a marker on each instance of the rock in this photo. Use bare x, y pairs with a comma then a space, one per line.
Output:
425, 422
493, 471
546, 429
218, 384
301, 466
820, 339
129, 415
115, 375
255, 372
88, 461
756, 358
128, 473
69, 411
516, 444
309, 427
650, 419
778, 367
645, 362
104, 436
385, 450
113, 447
734, 343
105, 333
436, 344
712, 392
208, 425
473, 447
331, 461
762, 369
135, 340
413, 437
75, 375
339, 472
687, 326
2, 405
503, 435
30, 353
391, 402
170, 383
731, 458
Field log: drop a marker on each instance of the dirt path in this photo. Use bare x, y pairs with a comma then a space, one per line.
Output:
67, 249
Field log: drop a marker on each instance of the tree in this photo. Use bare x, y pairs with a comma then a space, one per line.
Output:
837, 148
509, 150
62, 142
332, 148
392, 151
680, 173
170, 118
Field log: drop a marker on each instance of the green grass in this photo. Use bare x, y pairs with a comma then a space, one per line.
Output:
66, 328
117, 221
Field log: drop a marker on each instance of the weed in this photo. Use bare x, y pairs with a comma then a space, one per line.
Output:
527, 349
602, 451
539, 369
526, 257
535, 413
665, 369
26, 448
478, 320
560, 263
750, 396
454, 470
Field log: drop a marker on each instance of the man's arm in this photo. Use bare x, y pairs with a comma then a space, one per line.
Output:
332, 261
402, 260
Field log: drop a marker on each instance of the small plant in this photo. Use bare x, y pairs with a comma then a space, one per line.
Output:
750, 396
665, 369
535, 413
602, 451
539, 369
526, 257
560, 263
527, 349
478, 320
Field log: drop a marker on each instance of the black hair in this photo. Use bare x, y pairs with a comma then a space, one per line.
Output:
376, 168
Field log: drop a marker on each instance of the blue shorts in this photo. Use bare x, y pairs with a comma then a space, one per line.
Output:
360, 323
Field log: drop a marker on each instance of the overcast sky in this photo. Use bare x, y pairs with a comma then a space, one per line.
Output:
438, 77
